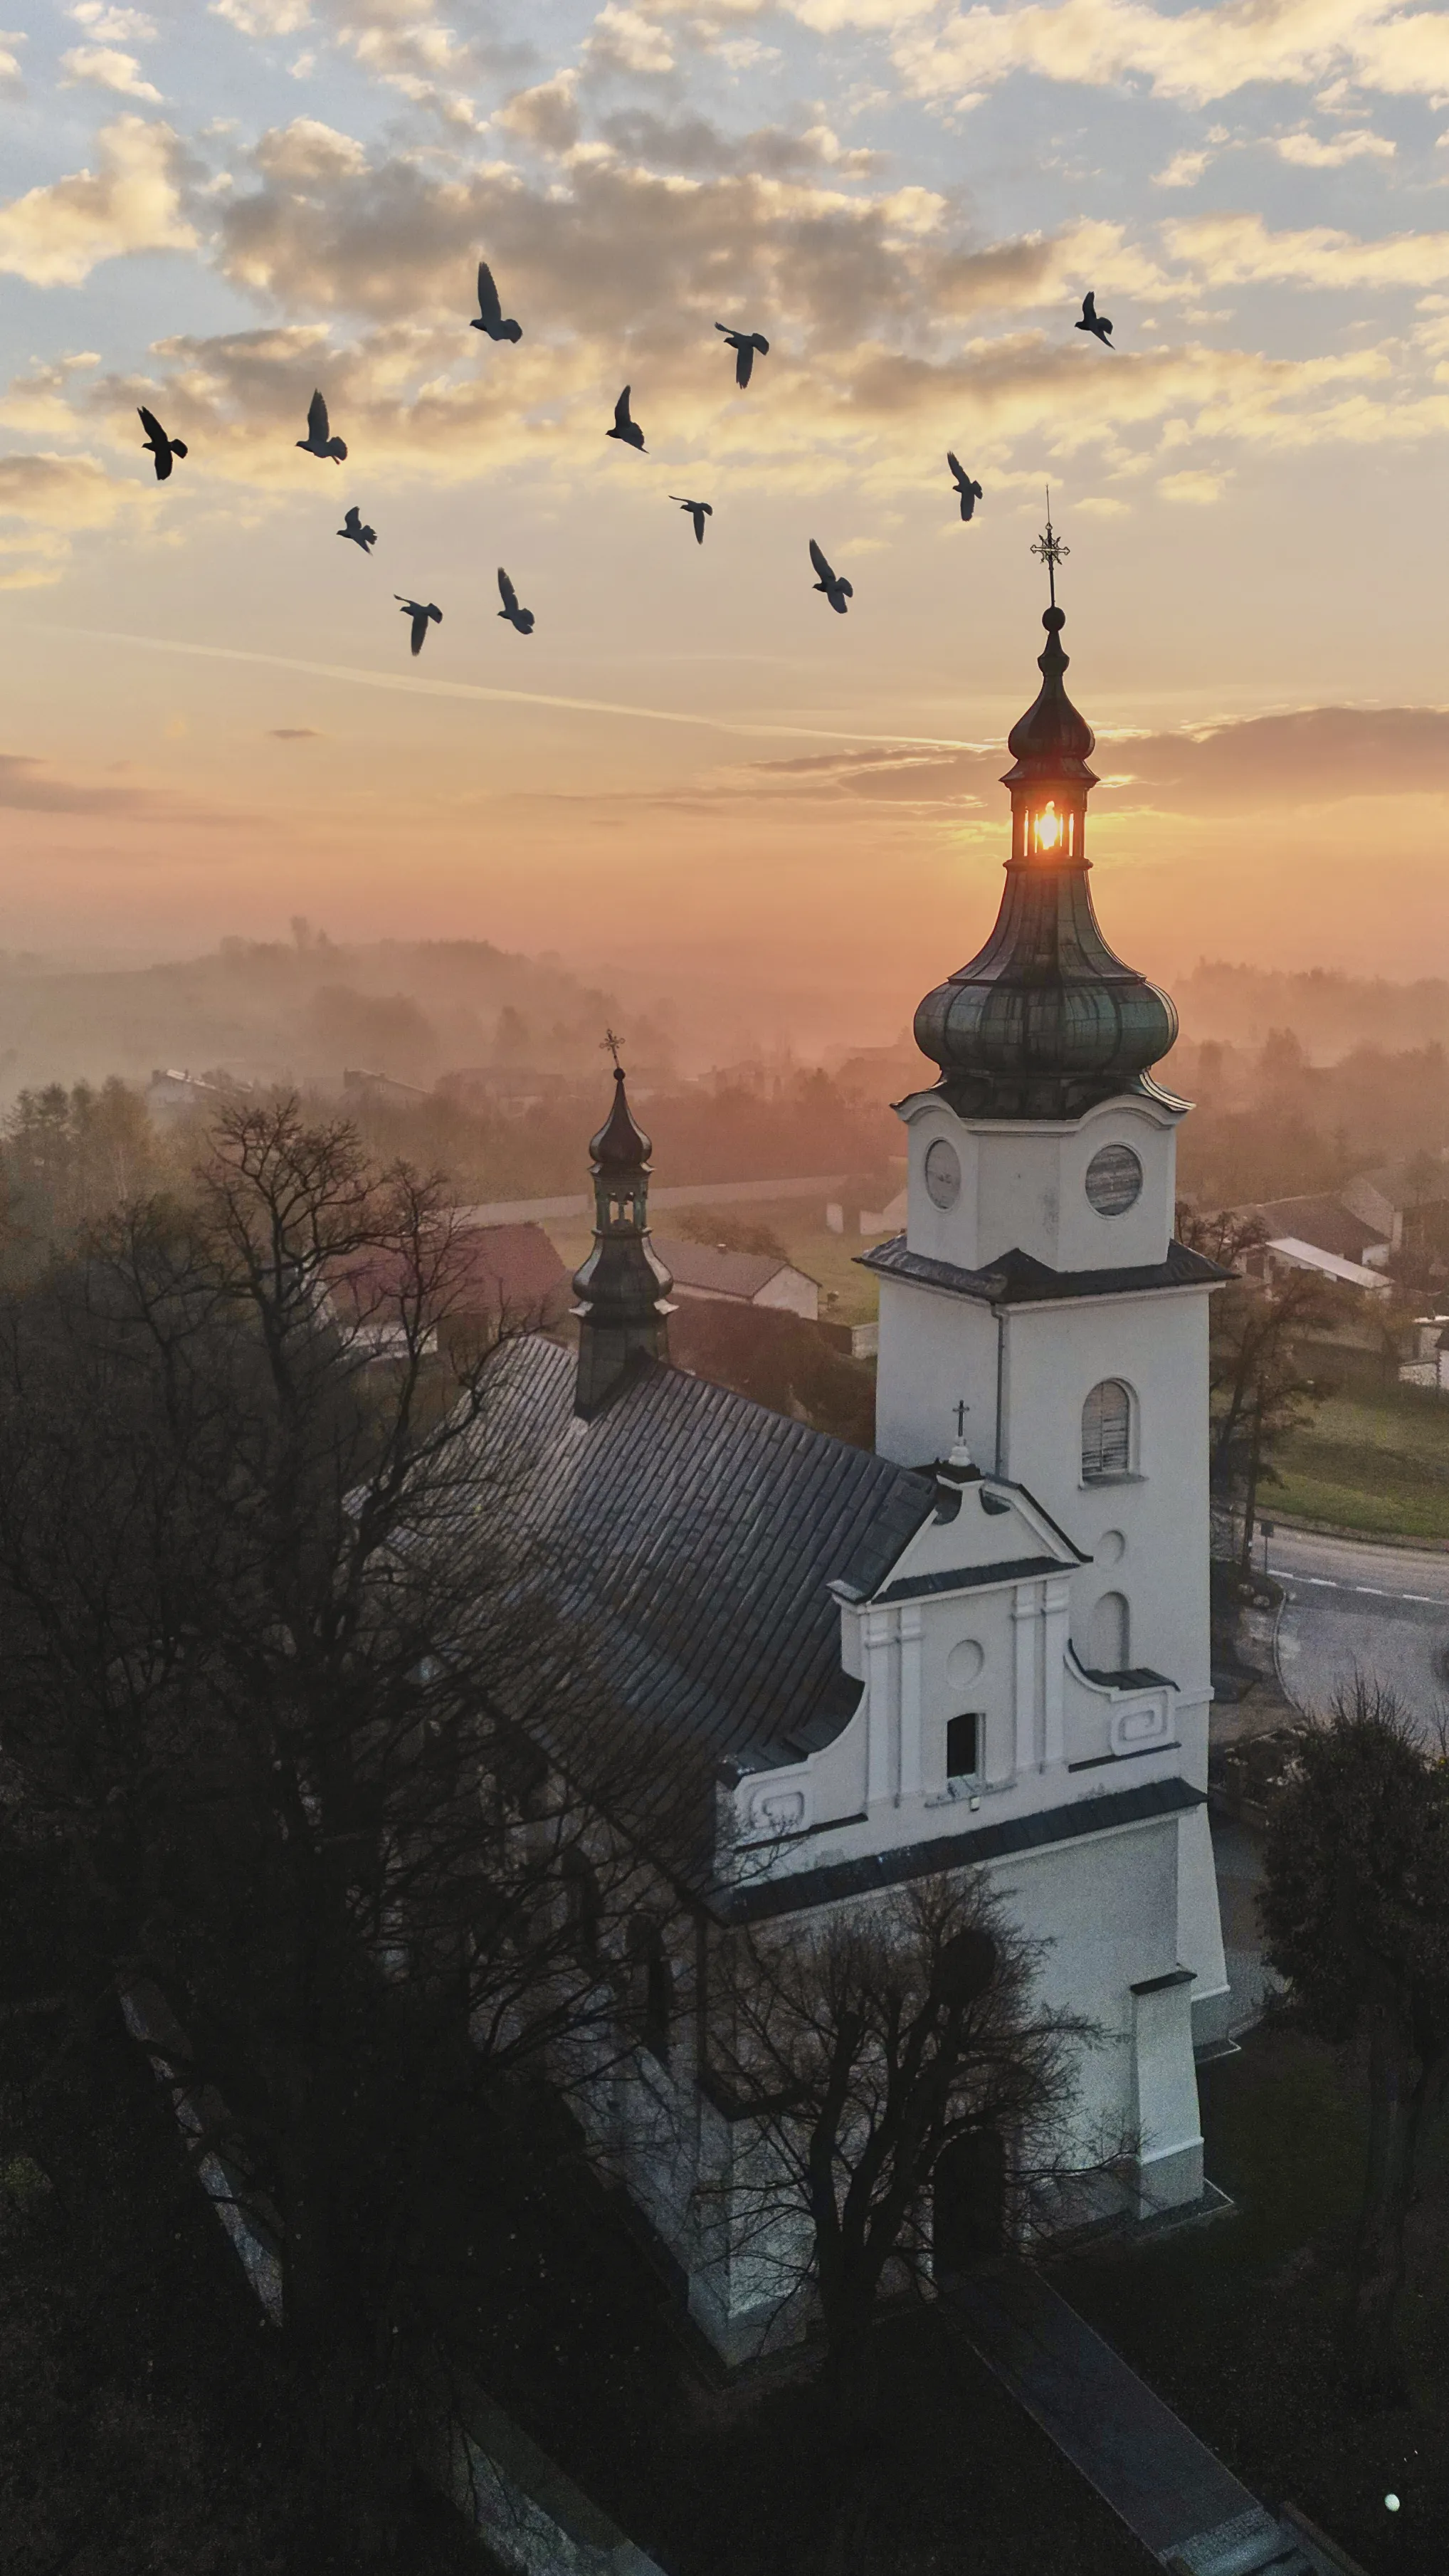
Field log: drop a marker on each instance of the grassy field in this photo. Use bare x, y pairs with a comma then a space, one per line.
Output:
1375, 1458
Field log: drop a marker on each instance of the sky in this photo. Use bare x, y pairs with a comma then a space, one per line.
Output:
692, 768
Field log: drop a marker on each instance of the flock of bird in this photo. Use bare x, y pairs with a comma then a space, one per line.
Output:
491, 319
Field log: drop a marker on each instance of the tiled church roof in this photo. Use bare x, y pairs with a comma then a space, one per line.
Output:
692, 1537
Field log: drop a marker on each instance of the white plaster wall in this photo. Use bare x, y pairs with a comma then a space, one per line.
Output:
935, 1350
1023, 1186
1157, 1345
1104, 1912
792, 1290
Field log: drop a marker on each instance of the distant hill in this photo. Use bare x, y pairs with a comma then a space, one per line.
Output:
303, 1010
1330, 1013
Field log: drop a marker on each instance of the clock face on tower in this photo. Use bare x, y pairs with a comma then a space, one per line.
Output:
1114, 1180
943, 1173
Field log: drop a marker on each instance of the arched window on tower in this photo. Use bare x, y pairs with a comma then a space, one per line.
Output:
1106, 1432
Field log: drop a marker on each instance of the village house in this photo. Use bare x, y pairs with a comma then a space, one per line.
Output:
712, 1270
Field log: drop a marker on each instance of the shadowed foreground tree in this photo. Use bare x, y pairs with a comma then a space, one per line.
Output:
262, 1600
862, 2060
866, 2062
1356, 1910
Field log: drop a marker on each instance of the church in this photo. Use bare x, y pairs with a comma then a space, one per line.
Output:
983, 1647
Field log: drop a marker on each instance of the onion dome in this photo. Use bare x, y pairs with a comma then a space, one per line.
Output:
1045, 1021
621, 1144
623, 1286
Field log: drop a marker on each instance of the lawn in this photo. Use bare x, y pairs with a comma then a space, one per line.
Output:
1375, 1458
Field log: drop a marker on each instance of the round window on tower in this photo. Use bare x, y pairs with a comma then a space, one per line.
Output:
1114, 1180
943, 1173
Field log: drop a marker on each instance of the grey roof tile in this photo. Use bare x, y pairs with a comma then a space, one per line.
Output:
694, 1536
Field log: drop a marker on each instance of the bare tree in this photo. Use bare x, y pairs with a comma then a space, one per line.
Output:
276, 1639
858, 2055
1259, 1391
1356, 1909
870, 2064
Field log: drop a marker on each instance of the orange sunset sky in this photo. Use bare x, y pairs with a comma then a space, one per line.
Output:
210, 717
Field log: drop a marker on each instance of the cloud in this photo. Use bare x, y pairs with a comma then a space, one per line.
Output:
1199, 489
694, 144
546, 115
625, 40
102, 67
619, 247
1193, 54
1239, 250
263, 17
10, 63
30, 786
113, 26
885, 315
1314, 756
64, 491
1308, 152
55, 236
1183, 171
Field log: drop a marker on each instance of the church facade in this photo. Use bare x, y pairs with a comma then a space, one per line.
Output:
983, 1648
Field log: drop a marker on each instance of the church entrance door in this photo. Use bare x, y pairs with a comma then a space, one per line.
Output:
969, 2221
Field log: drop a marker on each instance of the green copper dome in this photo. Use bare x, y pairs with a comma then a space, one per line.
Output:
1045, 1020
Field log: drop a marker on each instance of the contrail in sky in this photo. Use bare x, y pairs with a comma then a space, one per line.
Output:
414, 684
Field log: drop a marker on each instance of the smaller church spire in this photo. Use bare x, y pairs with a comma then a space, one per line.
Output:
623, 1286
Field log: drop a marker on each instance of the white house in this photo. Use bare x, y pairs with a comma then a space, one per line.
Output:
712, 1270
984, 1647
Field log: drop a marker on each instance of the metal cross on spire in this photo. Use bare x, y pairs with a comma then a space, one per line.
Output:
1050, 548
609, 1044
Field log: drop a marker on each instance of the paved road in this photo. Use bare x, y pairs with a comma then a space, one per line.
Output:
1382, 1609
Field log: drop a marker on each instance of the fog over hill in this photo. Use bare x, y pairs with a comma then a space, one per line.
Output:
307, 1008
1330, 1014
304, 1010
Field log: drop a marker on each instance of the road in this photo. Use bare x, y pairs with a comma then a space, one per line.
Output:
1384, 1610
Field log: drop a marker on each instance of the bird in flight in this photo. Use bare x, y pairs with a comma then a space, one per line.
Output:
836, 589
319, 440
420, 614
744, 344
162, 448
489, 316
970, 492
352, 527
521, 619
625, 428
1095, 322
699, 511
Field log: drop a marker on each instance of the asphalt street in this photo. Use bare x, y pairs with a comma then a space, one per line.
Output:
1383, 1611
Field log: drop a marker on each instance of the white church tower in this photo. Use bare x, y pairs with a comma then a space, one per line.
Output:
1038, 1313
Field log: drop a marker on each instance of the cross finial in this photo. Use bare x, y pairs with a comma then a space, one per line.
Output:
962, 1409
1050, 548
610, 1045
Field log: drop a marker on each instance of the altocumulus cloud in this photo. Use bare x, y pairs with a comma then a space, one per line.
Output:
55, 235
619, 267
